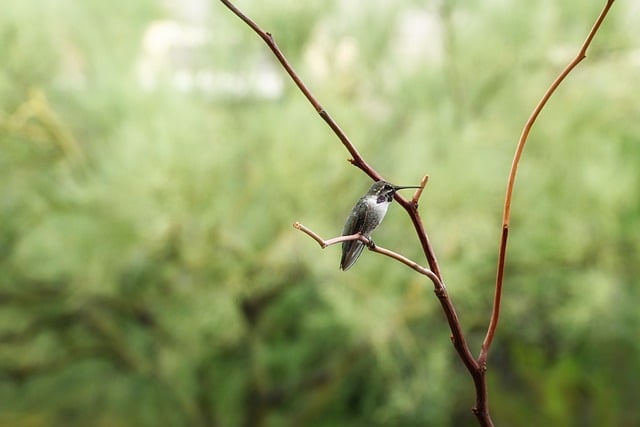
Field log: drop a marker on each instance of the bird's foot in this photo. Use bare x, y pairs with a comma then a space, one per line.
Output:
371, 244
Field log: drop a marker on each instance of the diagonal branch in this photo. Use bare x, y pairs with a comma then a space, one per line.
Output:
357, 159
411, 207
374, 248
582, 53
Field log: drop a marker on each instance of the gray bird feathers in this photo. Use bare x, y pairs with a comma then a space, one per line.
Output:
365, 216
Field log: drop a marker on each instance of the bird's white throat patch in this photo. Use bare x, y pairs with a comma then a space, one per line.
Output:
380, 209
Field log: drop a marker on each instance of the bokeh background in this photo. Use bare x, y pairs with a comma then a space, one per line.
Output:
153, 157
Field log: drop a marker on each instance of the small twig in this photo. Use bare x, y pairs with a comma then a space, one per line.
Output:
324, 243
391, 254
418, 193
582, 53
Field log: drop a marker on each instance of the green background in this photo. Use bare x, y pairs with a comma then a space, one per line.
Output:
149, 273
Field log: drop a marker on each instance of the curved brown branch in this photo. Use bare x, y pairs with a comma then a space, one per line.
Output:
379, 249
582, 53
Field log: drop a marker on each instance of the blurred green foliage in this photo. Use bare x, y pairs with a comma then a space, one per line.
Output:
149, 274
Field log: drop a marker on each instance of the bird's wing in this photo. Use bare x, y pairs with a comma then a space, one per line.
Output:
352, 249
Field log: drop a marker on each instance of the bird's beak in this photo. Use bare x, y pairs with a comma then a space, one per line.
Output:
399, 187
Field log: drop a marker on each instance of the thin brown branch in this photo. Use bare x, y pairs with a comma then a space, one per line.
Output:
582, 53
379, 249
411, 207
457, 335
357, 160
418, 193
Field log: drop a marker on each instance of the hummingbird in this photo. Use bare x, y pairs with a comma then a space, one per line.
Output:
365, 216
